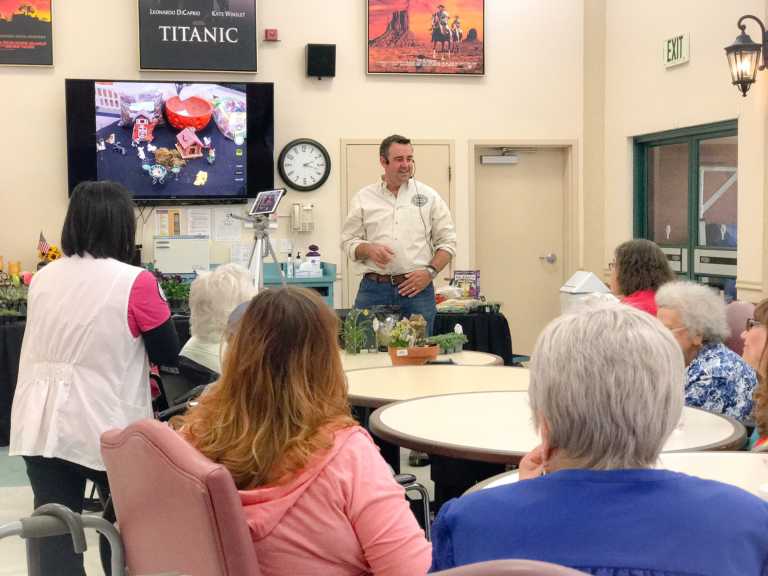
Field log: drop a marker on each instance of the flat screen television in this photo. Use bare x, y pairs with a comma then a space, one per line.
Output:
172, 142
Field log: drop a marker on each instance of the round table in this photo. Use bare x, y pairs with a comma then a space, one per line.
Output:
376, 387
747, 470
497, 427
382, 360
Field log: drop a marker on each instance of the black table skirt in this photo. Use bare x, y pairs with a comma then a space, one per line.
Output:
11, 335
486, 332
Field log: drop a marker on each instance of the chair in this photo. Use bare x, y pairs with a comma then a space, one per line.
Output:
409, 484
736, 314
176, 510
511, 568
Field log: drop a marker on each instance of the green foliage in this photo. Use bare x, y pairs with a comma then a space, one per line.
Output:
356, 330
174, 288
13, 300
448, 342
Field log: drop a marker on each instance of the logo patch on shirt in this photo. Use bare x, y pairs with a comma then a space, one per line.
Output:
419, 200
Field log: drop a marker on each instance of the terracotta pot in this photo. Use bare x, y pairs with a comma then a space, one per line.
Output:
413, 356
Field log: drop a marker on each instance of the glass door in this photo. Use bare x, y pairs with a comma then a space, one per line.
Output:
686, 200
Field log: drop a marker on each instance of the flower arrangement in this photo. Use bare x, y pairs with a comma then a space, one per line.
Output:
53, 253
356, 330
408, 342
409, 332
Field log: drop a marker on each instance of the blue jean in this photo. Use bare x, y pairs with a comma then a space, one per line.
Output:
372, 293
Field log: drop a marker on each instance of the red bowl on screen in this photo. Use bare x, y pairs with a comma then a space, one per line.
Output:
193, 112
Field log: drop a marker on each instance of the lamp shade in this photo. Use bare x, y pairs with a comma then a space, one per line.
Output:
743, 58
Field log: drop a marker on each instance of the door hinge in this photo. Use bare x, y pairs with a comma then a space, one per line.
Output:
449, 173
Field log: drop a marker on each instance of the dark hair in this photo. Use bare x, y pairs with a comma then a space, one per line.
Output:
100, 221
641, 265
388, 141
760, 397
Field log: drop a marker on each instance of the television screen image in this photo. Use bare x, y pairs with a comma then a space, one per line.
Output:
172, 142
266, 202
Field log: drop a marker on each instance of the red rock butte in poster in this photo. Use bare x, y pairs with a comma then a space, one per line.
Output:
25, 32
426, 37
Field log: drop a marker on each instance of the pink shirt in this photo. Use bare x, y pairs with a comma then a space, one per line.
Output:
147, 308
342, 515
642, 300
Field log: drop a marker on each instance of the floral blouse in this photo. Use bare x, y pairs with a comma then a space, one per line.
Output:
720, 381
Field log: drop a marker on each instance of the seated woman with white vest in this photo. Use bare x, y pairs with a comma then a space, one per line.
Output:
94, 323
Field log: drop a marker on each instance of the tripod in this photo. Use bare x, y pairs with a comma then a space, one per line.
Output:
260, 239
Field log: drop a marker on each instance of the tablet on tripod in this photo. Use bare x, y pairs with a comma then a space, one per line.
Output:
266, 202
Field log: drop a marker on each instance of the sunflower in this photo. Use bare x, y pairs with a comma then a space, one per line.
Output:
53, 253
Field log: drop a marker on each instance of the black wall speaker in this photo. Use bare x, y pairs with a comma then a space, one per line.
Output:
321, 60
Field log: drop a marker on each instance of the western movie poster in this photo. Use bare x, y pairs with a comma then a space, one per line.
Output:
25, 32
426, 37
205, 35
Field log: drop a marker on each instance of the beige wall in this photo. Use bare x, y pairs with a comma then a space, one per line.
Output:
642, 97
531, 91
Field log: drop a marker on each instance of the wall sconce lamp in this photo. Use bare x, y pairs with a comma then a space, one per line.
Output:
744, 54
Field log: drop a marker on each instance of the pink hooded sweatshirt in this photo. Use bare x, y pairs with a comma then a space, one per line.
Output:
344, 514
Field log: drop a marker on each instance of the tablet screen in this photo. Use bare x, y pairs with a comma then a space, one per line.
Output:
266, 202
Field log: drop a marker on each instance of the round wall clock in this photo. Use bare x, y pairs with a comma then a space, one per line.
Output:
304, 164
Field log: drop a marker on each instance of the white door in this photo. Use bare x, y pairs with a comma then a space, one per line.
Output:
519, 223
433, 167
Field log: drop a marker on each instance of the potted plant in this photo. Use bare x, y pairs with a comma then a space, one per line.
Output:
449, 343
408, 344
357, 331
176, 292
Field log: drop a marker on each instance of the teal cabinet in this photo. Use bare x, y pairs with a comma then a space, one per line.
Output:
323, 285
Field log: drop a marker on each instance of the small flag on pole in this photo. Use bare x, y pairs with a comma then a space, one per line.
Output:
42, 245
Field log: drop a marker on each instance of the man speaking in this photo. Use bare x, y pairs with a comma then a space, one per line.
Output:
402, 232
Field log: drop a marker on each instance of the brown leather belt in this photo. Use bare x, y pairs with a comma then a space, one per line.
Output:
386, 278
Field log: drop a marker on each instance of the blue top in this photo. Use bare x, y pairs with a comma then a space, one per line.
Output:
720, 381
609, 523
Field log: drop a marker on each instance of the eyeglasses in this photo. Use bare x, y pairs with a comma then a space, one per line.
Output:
751, 323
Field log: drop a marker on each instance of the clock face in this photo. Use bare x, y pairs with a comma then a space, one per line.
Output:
304, 164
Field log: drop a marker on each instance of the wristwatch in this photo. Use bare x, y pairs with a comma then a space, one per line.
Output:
432, 270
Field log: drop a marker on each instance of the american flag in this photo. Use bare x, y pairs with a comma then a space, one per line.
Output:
42, 244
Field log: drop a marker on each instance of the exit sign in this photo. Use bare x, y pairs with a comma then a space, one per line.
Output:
677, 50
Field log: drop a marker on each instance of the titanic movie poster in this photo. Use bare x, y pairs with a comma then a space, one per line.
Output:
25, 32
209, 35
426, 37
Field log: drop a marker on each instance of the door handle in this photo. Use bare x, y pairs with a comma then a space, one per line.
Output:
549, 258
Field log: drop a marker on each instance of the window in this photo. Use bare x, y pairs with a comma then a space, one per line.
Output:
686, 200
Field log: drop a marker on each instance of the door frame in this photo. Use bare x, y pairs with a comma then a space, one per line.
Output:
573, 201
344, 189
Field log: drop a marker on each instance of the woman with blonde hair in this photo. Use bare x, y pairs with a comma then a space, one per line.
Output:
318, 497
755, 354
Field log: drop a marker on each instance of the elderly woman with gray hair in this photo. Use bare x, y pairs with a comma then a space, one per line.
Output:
718, 379
213, 296
589, 496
